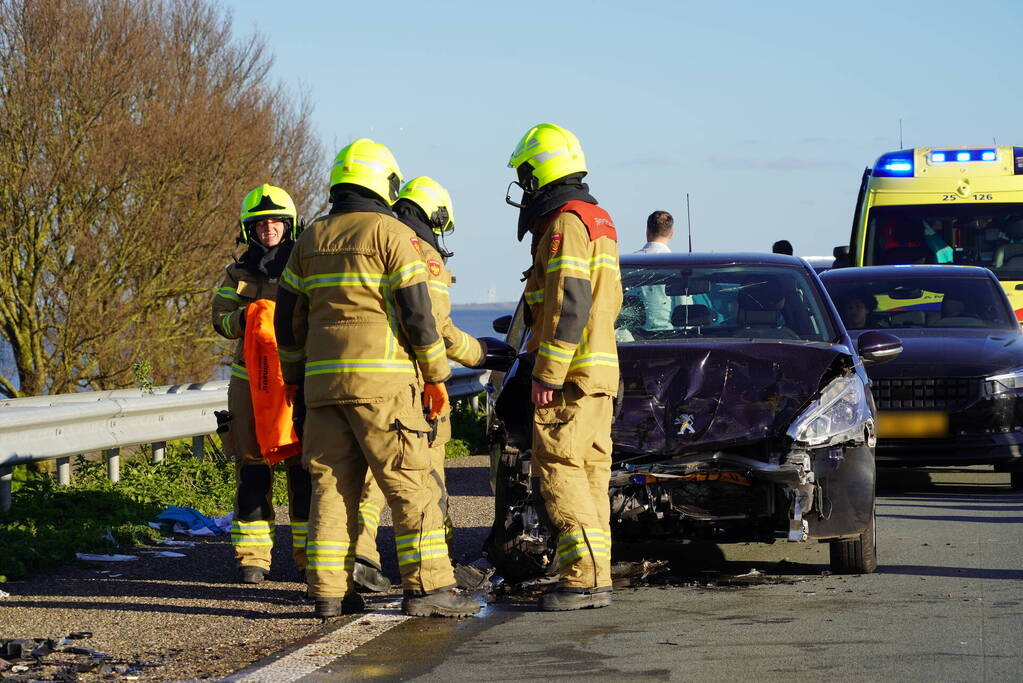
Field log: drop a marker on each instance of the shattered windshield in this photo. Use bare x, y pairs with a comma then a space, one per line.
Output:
974, 234
733, 301
905, 301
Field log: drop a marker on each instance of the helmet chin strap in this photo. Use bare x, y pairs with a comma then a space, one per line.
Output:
442, 247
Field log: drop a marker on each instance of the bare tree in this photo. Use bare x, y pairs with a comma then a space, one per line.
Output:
129, 131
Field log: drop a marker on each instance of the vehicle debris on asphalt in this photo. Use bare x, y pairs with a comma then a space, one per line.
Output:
34, 659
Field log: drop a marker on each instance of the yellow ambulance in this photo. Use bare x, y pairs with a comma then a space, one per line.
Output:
959, 205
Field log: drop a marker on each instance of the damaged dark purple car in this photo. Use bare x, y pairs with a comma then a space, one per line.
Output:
744, 415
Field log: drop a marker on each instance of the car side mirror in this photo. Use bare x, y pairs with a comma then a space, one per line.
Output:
502, 325
877, 347
842, 258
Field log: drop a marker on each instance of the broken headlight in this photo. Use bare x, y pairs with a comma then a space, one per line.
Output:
1004, 383
836, 417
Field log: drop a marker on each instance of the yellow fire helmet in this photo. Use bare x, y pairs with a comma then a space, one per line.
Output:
267, 201
434, 200
370, 165
552, 151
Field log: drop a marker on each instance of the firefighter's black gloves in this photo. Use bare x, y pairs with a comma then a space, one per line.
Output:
497, 354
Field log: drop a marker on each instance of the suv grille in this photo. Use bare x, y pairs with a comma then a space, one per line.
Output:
941, 393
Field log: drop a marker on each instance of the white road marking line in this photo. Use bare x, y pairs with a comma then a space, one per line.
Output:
314, 656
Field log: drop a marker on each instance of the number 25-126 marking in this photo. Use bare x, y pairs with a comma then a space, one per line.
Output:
982, 197
949, 197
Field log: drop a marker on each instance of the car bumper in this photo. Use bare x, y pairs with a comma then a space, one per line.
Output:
989, 449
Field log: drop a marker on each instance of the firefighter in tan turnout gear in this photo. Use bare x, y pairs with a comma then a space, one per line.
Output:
424, 205
268, 229
354, 323
574, 293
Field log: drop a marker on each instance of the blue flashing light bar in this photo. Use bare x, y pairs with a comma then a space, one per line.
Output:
963, 155
894, 164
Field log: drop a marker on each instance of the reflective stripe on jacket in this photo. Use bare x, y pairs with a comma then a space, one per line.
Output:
461, 347
574, 291
239, 288
354, 317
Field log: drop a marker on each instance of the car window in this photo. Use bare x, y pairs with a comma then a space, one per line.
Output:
871, 302
733, 301
983, 234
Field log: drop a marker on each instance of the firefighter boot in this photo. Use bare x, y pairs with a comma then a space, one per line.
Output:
251, 575
352, 603
444, 603
564, 599
369, 577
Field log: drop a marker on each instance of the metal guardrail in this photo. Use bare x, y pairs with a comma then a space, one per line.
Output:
60, 426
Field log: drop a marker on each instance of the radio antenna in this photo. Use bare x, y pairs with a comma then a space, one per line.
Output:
900, 133
689, 223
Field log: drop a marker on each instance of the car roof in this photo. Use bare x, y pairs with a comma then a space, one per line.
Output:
711, 259
936, 272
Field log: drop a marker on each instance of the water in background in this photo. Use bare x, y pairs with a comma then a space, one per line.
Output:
477, 321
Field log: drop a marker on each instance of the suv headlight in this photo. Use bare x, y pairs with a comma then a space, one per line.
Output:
1004, 383
837, 416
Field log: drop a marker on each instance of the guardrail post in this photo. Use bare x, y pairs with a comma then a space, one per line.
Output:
64, 471
114, 464
6, 482
198, 446
159, 448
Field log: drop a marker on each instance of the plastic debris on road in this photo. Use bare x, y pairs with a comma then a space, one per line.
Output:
29, 659
176, 544
4, 594
194, 523
163, 553
90, 557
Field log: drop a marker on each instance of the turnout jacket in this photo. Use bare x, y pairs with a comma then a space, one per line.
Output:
239, 288
461, 347
574, 294
353, 312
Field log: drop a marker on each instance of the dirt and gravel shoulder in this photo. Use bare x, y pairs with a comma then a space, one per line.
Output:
160, 618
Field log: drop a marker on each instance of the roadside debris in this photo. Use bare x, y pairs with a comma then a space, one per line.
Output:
470, 577
163, 553
625, 574
176, 544
48, 659
4, 594
192, 522
91, 557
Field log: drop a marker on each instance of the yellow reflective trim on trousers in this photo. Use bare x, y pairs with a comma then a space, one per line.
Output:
343, 365
414, 548
239, 371
407, 273
409, 539
554, 353
251, 533
432, 352
228, 293
535, 296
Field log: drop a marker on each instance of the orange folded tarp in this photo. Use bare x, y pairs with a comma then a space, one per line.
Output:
275, 430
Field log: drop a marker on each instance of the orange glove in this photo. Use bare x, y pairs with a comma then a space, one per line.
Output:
435, 397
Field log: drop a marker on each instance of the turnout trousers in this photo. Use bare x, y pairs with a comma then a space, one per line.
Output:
372, 502
572, 459
253, 526
387, 441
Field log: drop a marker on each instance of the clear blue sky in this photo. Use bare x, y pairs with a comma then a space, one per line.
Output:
766, 113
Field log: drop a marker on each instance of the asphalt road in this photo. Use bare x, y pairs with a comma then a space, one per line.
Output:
946, 604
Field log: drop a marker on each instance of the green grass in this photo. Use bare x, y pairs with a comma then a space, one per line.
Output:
48, 523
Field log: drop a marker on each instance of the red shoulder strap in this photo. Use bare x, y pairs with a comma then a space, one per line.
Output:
597, 221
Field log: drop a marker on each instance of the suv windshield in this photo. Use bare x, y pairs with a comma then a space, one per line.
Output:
976, 234
908, 301
734, 301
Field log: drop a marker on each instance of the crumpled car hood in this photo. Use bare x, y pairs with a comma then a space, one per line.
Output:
698, 396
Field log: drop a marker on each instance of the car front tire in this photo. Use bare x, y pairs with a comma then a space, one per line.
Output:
856, 555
